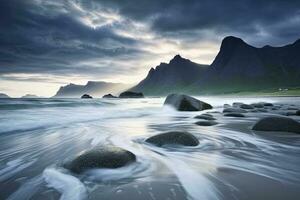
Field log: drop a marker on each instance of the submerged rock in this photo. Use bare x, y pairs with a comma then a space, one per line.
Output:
237, 104
234, 115
174, 138
103, 157
205, 117
109, 96
226, 105
206, 123
283, 124
234, 110
186, 103
258, 105
129, 94
246, 106
86, 96
261, 110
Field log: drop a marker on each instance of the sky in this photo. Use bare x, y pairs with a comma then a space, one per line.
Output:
45, 44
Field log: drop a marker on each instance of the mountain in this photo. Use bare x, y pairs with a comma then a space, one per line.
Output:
93, 88
237, 67
2, 95
242, 67
174, 76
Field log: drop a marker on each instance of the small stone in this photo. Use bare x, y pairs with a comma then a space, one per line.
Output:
206, 123
234, 115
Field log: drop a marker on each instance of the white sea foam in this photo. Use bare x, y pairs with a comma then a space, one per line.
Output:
69, 186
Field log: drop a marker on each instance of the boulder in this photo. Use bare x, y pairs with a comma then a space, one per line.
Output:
206, 123
205, 117
174, 138
186, 103
234, 110
129, 94
234, 115
102, 157
86, 96
283, 124
298, 112
109, 96
246, 106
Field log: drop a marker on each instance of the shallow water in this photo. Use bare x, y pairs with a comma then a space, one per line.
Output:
231, 162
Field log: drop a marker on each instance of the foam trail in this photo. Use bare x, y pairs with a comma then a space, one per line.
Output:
194, 183
69, 186
13, 167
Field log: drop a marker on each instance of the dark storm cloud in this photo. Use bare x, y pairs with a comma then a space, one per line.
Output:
52, 37
35, 41
242, 17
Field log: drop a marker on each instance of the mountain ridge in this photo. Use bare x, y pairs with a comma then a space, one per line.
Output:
94, 88
237, 67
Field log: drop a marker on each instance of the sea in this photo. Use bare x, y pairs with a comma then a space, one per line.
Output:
37, 136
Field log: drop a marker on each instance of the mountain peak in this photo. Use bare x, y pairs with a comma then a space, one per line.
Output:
232, 41
177, 59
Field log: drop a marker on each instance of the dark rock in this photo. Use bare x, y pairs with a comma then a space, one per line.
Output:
109, 96
205, 117
206, 123
103, 157
174, 138
298, 112
268, 104
234, 115
86, 96
226, 105
186, 103
283, 124
261, 110
257, 105
129, 94
292, 108
237, 104
246, 106
234, 110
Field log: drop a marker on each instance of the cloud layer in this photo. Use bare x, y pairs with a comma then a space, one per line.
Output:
120, 40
